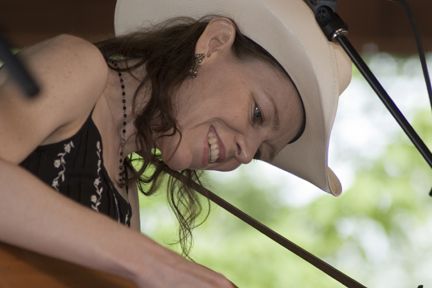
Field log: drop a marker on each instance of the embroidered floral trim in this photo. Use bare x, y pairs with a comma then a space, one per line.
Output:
60, 163
96, 198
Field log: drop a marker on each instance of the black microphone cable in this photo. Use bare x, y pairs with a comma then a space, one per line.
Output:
408, 12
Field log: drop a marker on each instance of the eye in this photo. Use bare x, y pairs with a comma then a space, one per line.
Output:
257, 117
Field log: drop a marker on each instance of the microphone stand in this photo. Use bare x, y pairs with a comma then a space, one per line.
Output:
17, 70
336, 30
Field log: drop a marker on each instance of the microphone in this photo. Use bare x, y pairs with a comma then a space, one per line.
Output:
325, 14
316, 4
17, 70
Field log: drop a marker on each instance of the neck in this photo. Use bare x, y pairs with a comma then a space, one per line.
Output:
115, 105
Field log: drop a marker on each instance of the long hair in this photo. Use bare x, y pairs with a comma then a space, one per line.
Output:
167, 52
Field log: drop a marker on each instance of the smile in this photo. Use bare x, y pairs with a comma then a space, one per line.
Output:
214, 149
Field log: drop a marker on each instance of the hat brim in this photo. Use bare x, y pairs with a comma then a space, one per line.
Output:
288, 31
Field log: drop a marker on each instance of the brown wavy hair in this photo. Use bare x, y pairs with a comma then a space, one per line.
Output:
168, 51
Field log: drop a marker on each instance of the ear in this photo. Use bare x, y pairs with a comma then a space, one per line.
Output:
217, 38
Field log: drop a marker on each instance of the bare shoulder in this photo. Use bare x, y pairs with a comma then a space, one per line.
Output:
69, 66
72, 74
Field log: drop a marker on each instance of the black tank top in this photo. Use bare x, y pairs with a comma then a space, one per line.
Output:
74, 167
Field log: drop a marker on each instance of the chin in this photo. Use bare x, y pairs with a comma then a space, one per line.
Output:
227, 166
177, 163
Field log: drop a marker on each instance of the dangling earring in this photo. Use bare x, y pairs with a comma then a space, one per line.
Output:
198, 59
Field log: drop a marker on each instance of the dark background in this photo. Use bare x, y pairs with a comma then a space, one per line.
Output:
375, 25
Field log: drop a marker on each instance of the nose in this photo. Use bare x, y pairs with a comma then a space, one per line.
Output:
245, 149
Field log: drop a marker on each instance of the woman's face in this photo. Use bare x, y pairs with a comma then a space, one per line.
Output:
233, 111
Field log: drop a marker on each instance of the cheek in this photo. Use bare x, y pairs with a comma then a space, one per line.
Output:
215, 100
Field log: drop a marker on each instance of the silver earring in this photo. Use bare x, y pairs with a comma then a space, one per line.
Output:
198, 59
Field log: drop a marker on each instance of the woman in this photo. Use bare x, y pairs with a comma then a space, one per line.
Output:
186, 96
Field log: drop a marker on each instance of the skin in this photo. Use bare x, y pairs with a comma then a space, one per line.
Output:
238, 103
222, 97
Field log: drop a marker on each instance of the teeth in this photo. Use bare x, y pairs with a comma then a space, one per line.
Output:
214, 154
212, 140
214, 147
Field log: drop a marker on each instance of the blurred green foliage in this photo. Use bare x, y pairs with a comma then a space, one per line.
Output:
367, 232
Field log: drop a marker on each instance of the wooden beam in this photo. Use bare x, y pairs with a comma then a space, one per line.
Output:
373, 23
26, 22
383, 24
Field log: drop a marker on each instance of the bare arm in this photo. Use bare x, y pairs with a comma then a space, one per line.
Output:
33, 215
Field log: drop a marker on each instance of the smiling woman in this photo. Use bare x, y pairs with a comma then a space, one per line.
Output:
208, 91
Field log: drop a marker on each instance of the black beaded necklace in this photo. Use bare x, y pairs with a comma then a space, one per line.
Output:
122, 180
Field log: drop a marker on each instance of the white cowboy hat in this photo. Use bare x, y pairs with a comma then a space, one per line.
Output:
288, 31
